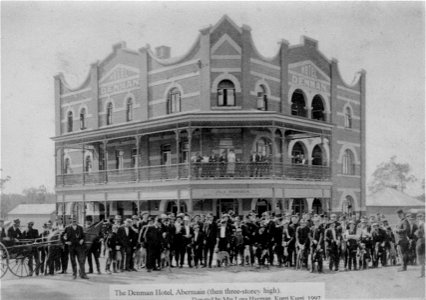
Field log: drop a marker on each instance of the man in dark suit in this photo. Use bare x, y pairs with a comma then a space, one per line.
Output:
412, 238
2, 230
210, 232
14, 233
128, 241
197, 244
187, 234
254, 160
249, 230
31, 233
270, 233
402, 231
152, 238
73, 236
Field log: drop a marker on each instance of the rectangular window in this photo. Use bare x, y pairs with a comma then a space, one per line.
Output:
119, 159
220, 98
166, 155
184, 152
230, 97
134, 158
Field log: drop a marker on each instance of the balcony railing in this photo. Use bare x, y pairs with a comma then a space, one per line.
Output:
199, 171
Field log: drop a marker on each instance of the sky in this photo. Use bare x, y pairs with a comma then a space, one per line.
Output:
41, 39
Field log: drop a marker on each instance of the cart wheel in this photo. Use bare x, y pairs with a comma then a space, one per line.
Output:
20, 265
4, 260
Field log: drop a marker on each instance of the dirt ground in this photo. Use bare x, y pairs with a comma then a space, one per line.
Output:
366, 284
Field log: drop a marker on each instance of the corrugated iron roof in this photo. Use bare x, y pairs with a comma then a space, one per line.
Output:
392, 197
33, 209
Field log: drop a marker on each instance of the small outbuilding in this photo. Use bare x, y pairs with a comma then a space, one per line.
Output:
388, 200
38, 213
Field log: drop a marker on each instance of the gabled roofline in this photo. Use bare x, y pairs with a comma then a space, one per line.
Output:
172, 60
355, 81
226, 17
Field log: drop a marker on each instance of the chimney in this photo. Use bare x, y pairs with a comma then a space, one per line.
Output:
162, 52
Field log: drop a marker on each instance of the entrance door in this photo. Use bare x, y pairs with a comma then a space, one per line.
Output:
262, 206
172, 207
225, 205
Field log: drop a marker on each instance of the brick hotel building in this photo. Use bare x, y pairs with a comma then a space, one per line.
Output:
221, 127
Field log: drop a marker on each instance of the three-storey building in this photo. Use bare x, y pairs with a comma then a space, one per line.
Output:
221, 127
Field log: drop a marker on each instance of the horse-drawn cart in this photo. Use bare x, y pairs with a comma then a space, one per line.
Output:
19, 256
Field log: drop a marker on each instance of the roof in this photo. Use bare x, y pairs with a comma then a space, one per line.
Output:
392, 197
33, 209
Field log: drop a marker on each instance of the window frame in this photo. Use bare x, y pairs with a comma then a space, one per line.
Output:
83, 114
70, 121
348, 117
225, 94
129, 109
348, 163
109, 112
174, 99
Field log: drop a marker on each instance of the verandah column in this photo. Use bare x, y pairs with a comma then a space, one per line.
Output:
137, 137
177, 132
105, 160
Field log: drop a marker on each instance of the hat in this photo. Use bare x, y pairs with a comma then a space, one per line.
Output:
117, 217
144, 213
375, 224
16, 221
196, 226
363, 220
163, 216
351, 222
420, 215
239, 229
186, 218
31, 223
399, 211
128, 220
135, 217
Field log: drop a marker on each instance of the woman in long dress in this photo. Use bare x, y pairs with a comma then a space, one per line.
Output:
231, 163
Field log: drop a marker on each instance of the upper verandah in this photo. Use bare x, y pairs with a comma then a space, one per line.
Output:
306, 50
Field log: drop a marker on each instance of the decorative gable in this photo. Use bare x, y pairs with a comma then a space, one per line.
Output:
226, 46
118, 73
308, 69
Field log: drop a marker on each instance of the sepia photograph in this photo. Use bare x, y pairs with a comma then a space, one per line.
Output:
212, 150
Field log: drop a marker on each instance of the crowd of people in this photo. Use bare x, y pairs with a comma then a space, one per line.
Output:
305, 242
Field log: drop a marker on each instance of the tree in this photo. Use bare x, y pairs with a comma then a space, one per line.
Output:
391, 174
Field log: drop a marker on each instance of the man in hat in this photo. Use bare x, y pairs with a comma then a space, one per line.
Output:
117, 220
14, 233
152, 237
316, 239
128, 241
332, 243
412, 238
73, 236
420, 244
303, 241
210, 233
402, 230
378, 236
270, 232
31, 234
185, 247
2, 230
250, 230
197, 245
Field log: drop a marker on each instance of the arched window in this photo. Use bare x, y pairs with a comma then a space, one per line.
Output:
70, 121
88, 164
318, 108
298, 154
262, 98
129, 110
317, 156
347, 206
173, 101
226, 93
348, 118
298, 104
83, 118
109, 114
264, 148
348, 167
67, 166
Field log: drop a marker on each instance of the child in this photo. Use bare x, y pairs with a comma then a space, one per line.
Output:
113, 251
